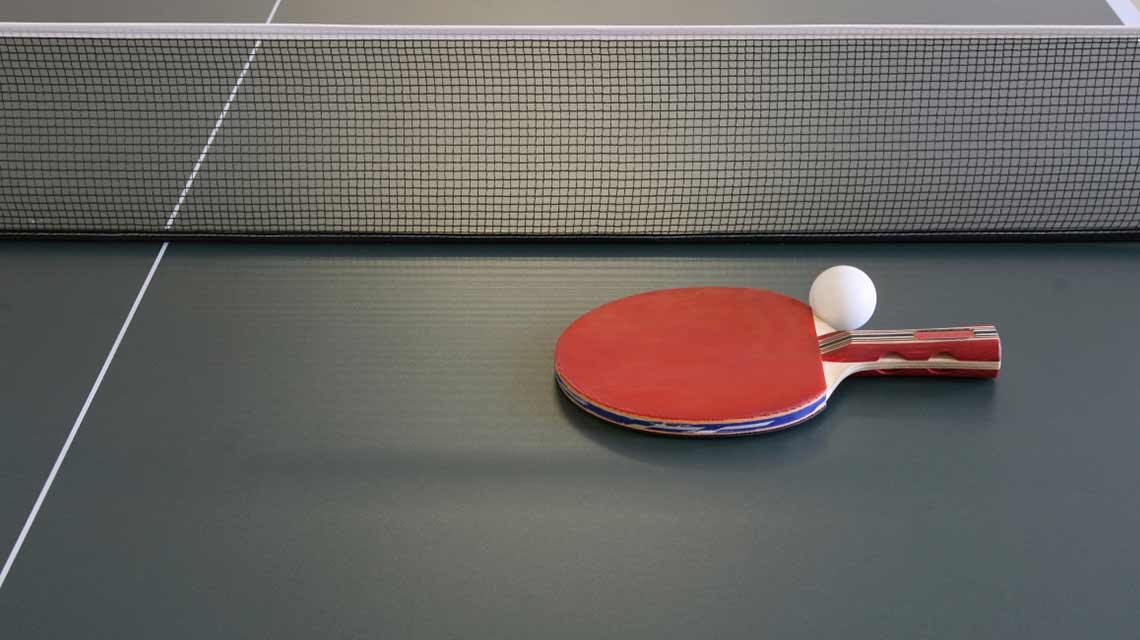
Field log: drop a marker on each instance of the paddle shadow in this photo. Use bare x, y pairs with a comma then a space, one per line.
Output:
741, 453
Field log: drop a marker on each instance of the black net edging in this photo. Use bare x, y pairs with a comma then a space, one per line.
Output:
382, 132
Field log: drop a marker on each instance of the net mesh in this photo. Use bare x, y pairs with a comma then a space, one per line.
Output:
756, 137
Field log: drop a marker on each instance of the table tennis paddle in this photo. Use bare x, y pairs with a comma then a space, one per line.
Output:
718, 361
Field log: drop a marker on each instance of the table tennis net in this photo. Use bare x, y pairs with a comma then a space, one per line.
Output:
288, 131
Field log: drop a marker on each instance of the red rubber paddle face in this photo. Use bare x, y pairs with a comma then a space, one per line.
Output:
695, 361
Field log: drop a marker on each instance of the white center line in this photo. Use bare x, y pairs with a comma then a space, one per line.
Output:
82, 414
1128, 13
210, 139
127, 321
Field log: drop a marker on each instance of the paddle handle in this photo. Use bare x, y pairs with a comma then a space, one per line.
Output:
973, 352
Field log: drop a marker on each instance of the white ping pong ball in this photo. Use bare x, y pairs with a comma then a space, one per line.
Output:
843, 297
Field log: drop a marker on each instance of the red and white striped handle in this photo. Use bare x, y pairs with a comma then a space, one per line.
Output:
973, 352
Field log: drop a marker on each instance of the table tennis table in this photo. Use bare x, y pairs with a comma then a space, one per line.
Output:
240, 439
